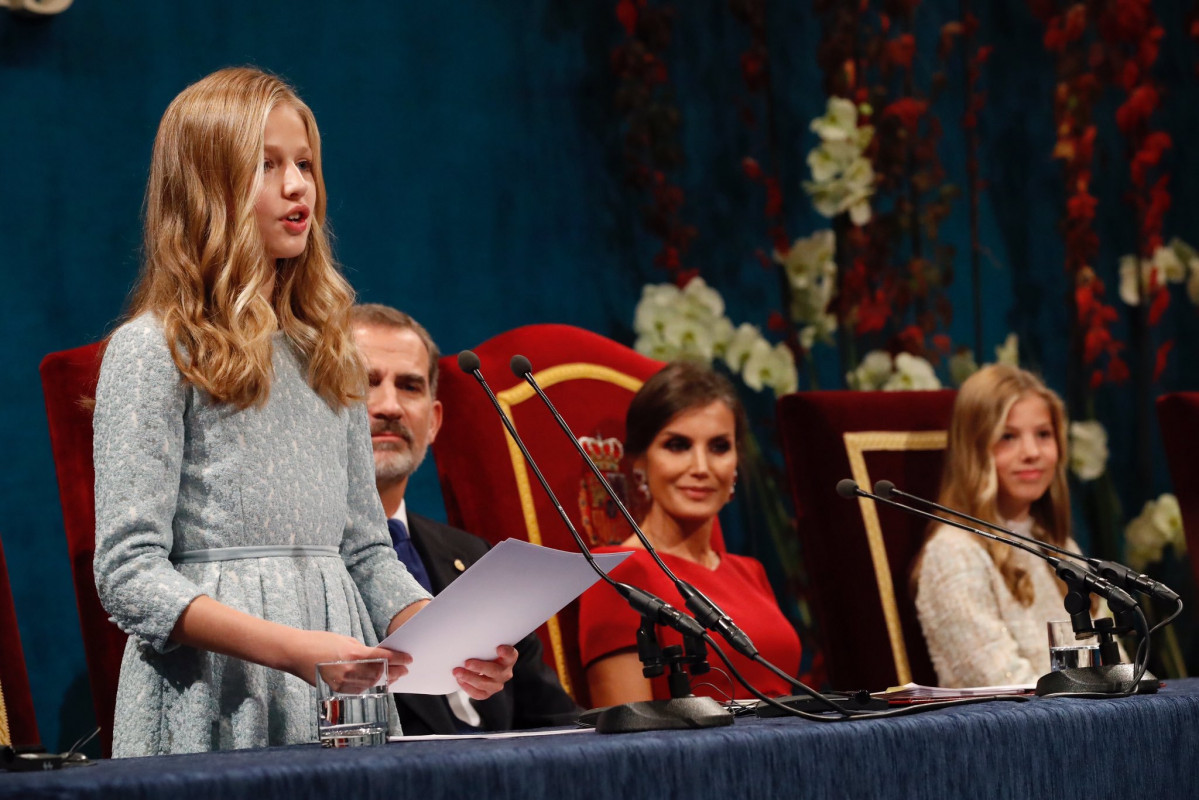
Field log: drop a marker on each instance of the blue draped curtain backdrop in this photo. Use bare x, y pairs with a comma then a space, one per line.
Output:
473, 162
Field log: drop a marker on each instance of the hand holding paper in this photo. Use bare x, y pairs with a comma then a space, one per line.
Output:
481, 679
511, 590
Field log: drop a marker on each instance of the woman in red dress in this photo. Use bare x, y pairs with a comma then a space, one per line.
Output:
684, 428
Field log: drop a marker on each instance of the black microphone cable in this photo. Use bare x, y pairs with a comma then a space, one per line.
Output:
641, 600
644, 602
1113, 571
523, 368
708, 613
1076, 578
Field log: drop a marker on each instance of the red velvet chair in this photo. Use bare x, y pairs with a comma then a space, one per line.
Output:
18, 725
857, 552
1178, 418
487, 487
69, 381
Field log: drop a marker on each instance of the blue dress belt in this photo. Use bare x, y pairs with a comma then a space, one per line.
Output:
254, 551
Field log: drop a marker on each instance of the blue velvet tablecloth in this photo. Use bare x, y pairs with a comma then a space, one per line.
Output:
1144, 747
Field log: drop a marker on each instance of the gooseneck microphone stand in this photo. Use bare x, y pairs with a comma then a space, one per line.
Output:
1108, 680
1124, 577
1081, 679
684, 710
706, 612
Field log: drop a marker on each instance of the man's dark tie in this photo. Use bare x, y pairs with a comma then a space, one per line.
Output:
404, 548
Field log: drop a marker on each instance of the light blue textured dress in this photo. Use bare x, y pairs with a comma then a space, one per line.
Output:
180, 481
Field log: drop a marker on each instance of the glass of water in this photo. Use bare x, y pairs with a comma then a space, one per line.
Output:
352, 702
1068, 650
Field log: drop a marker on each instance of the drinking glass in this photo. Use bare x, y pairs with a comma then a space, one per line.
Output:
1068, 650
352, 700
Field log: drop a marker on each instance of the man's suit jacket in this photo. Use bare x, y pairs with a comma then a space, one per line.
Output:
532, 699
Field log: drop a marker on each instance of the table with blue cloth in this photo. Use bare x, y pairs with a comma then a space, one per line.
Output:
1146, 746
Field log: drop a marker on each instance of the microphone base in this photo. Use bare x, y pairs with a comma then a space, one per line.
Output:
1108, 679
679, 713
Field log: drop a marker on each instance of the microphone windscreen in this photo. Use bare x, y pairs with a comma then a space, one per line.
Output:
884, 489
847, 487
468, 362
520, 366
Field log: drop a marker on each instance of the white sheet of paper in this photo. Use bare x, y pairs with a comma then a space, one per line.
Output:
501, 599
453, 737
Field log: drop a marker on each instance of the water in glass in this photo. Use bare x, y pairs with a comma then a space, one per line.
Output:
350, 720
1072, 657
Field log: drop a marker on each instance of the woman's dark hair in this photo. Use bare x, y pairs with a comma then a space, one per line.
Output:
679, 386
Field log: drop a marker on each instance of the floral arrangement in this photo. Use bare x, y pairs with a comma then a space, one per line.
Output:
874, 281
876, 172
1150, 278
1106, 52
1088, 449
842, 175
690, 323
810, 267
1159, 525
880, 370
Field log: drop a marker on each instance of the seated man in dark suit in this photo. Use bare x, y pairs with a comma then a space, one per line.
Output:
401, 360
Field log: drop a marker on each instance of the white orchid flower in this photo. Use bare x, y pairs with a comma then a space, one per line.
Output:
652, 344
1193, 282
859, 213
722, 334
912, 373
1159, 524
839, 121
873, 372
691, 338
741, 344
659, 302
809, 254
770, 366
1168, 265
863, 136
786, 377
1129, 274
822, 330
1088, 449
698, 295
1009, 352
961, 366
1163, 267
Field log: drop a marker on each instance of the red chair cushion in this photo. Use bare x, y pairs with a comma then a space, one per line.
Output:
69, 382
846, 599
486, 486
15, 698
1178, 418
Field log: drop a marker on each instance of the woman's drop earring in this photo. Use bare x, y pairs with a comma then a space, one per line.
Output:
642, 484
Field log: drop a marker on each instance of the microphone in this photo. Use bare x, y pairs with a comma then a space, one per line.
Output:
642, 601
680, 712
1107, 680
1078, 579
1112, 571
708, 613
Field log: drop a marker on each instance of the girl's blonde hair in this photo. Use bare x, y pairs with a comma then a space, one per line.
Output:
205, 264
969, 482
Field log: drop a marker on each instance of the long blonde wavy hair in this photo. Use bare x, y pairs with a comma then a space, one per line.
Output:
969, 482
205, 265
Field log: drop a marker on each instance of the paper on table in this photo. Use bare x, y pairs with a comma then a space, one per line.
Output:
915, 692
453, 737
501, 599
